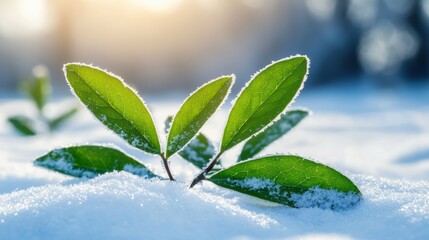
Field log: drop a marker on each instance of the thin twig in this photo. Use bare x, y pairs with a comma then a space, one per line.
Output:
167, 168
202, 175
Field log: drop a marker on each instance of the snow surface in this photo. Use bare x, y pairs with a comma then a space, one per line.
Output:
380, 140
123, 206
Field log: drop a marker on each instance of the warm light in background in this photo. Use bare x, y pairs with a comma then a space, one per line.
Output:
24, 17
157, 5
21, 18
176, 44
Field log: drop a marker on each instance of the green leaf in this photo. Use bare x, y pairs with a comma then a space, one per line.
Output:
261, 140
195, 111
23, 125
56, 122
39, 88
264, 98
90, 161
115, 104
199, 151
290, 180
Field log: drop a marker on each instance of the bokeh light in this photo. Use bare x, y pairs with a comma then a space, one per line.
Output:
176, 44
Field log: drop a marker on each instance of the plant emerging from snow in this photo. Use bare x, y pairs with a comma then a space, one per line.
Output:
258, 114
38, 89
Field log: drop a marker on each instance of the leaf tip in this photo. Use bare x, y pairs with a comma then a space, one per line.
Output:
225, 79
71, 66
231, 78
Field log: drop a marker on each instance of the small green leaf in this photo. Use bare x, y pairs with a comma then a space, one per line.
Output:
39, 88
290, 180
23, 125
90, 161
56, 122
261, 140
199, 151
115, 104
195, 111
265, 97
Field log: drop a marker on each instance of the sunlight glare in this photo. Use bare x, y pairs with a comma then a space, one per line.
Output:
157, 5
24, 17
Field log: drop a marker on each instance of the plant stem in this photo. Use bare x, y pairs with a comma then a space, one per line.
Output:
167, 168
202, 176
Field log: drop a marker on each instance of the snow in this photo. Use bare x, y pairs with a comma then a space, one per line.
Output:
378, 139
123, 206
326, 199
257, 184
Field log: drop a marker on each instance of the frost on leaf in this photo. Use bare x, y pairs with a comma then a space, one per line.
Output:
62, 161
325, 199
195, 112
90, 161
290, 180
115, 104
294, 196
264, 98
199, 151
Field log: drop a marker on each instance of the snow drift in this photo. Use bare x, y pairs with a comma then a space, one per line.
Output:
124, 206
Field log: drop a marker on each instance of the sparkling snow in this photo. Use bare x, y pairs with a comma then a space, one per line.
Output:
380, 140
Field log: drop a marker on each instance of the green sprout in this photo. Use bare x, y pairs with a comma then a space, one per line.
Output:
259, 116
39, 89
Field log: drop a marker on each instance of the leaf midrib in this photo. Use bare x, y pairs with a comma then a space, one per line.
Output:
83, 157
239, 129
116, 110
271, 164
202, 110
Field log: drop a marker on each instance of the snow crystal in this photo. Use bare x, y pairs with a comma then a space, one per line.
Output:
176, 139
257, 184
122, 134
121, 205
136, 142
103, 118
326, 199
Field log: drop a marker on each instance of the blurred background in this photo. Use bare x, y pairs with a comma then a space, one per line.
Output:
176, 45
368, 84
